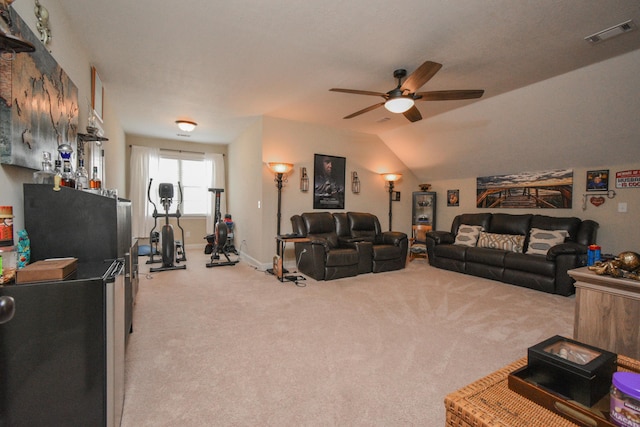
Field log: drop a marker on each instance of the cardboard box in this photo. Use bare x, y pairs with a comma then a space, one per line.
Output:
50, 269
573, 369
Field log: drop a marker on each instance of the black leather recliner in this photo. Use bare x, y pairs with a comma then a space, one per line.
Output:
345, 244
364, 248
322, 257
388, 248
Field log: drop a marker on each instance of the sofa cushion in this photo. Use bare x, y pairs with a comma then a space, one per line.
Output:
540, 241
570, 224
506, 242
467, 235
364, 226
341, 257
486, 256
386, 252
510, 224
321, 224
536, 264
451, 251
481, 219
342, 224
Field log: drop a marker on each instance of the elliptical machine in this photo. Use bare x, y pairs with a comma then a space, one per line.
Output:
218, 242
170, 247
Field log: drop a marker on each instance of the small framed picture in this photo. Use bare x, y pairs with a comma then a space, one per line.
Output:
598, 180
453, 197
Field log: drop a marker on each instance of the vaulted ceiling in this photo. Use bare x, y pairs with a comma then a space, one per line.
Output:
224, 63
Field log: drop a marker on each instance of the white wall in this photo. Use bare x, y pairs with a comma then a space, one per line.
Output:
583, 120
295, 142
245, 188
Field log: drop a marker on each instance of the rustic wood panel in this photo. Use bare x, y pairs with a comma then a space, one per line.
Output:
607, 313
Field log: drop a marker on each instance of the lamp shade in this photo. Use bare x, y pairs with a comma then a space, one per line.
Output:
277, 167
391, 176
186, 125
399, 104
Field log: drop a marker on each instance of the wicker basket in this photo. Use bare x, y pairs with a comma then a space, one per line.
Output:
489, 402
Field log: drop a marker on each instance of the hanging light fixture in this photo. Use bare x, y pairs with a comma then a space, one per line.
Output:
186, 125
398, 103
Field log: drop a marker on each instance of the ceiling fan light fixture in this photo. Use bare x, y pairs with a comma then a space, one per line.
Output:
186, 125
399, 104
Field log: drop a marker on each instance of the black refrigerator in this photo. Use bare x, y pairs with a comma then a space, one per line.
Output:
62, 353
88, 226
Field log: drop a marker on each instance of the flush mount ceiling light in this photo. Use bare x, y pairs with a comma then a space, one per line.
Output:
616, 30
186, 125
397, 103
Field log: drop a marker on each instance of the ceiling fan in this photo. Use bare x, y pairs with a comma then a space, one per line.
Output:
402, 98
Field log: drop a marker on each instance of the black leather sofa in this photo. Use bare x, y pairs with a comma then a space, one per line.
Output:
345, 244
502, 254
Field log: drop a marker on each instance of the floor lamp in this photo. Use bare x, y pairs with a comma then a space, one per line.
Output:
391, 178
280, 170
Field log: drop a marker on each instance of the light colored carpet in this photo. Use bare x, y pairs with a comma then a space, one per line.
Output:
232, 346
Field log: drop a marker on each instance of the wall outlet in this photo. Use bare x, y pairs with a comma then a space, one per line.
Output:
187, 234
622, 207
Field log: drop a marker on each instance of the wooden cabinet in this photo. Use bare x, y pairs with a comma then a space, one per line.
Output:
424, 208
607, 312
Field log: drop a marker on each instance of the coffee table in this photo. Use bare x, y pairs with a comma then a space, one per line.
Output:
489, 402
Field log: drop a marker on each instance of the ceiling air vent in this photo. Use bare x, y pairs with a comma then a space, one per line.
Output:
616, 30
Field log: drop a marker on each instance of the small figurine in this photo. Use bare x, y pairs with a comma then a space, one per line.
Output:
626, 265
43, 23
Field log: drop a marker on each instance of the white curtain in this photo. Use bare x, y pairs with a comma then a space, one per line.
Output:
144, 166
214, 164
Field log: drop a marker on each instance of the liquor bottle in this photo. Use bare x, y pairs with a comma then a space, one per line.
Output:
57, 170
45, 176
95, 182
82, 176
68, 178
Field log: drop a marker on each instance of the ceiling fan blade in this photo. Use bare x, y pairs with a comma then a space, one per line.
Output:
359, 92
412, 114
447, 95
364, 110
420, 76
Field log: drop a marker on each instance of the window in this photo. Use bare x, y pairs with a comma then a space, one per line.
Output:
190, 170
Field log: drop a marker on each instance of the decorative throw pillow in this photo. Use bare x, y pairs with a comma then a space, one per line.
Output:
506, 242
467, 235
540, 241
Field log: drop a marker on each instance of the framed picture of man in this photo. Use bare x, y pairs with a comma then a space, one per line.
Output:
328, 189
598, 180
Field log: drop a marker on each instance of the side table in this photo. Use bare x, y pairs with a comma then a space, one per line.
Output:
607, 312
489, 402
279, 270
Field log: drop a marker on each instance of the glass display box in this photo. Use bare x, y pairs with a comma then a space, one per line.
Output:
424, 208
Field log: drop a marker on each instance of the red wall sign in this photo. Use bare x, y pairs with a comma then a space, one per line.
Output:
628, 179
